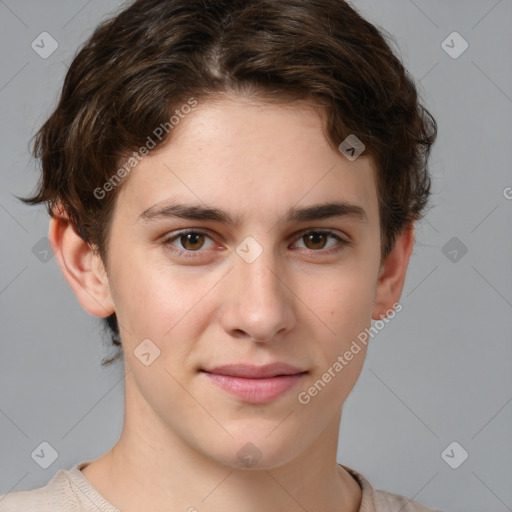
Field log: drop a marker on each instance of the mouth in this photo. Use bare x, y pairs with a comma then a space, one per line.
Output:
253, 384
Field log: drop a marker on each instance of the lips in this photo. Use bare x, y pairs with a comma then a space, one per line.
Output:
255, 384
255, 372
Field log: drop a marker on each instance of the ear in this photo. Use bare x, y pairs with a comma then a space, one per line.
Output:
81, 266
392, 273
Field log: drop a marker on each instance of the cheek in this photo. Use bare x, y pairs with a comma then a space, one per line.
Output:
158, 300
353, 305
341, 350
344, 304
344, 299
140, 299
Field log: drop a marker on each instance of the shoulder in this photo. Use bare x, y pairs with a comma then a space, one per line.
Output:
389, 502
56, 495
376, 500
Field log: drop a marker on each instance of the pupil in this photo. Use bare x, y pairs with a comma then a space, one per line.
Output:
192, 236
314, 236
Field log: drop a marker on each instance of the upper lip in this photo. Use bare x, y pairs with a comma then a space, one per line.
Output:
255, 372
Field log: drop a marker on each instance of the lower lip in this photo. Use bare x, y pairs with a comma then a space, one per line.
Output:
256, 391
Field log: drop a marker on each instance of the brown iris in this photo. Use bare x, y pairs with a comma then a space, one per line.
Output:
314, 238
191, 239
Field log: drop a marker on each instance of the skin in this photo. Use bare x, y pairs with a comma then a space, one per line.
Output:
295, 303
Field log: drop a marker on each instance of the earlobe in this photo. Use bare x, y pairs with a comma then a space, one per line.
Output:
81, 266
392, 274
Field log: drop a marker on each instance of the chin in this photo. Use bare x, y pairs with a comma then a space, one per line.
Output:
258, 451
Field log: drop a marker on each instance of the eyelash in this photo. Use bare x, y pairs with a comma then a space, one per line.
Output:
194, 254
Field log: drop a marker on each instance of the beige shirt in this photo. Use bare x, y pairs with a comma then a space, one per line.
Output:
70, 491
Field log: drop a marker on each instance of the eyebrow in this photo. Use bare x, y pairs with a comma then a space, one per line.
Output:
297, 214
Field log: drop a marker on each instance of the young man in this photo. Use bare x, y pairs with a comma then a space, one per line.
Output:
233, 186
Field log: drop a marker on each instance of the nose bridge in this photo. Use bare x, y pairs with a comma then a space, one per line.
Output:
261, 304
260, 275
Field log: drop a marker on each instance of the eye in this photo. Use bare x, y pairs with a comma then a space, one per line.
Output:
316, 241
190, 240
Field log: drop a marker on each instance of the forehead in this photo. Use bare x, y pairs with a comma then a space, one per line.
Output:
253, 160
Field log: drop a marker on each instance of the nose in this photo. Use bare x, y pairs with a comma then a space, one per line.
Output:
259, 303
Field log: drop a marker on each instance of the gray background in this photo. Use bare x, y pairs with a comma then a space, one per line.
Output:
439, 372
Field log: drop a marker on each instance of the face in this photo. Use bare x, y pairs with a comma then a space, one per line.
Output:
285, 281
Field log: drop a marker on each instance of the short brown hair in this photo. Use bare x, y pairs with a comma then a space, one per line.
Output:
140, 65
